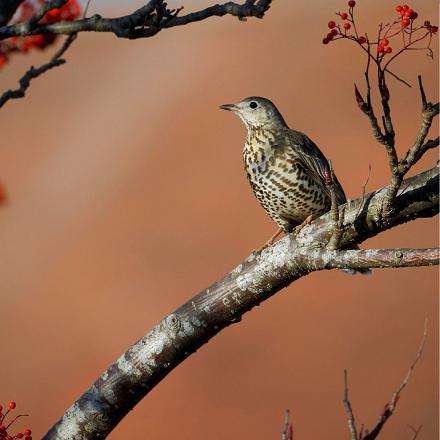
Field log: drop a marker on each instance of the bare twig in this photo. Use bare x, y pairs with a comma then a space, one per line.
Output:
364, 188
14, 419
287, 433
348, 408
334, 210
35, 72
416, 431
145, 22
414, 154
391, 406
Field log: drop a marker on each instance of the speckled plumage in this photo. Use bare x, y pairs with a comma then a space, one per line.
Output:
285, 169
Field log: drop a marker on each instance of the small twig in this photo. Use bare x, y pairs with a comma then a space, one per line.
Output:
348, 408
334, 210
86, 8
14, 419
364, 188
391, 406
287, 433
416, 431
35, 72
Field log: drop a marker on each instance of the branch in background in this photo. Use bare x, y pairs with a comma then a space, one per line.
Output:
145, 22
35, 72
7, 10
257, 278
416, 431
391, 406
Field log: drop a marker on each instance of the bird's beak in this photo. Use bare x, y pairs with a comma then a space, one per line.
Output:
230, 107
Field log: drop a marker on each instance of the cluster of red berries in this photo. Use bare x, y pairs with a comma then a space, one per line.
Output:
69, 11
383, 46
336, 29
4, 435
407, 15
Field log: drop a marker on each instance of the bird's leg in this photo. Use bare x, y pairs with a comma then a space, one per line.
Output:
307, 221
270, 241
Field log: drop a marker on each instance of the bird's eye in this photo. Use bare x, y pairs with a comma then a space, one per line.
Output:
253, 104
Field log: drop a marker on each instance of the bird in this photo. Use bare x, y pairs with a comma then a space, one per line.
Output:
286, 170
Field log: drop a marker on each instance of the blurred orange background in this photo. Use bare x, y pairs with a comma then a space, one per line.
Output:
127, 196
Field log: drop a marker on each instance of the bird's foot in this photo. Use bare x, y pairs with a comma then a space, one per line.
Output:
269, 242
306, 222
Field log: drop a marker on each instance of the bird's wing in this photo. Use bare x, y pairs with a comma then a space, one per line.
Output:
313, 161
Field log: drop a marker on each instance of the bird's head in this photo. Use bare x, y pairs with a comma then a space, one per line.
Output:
257, 113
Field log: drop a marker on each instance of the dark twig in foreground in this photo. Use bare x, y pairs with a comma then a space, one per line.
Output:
35, 72
145, 22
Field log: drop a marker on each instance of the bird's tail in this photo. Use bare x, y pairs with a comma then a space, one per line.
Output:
358, 271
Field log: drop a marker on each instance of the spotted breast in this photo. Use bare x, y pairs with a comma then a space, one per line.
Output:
277, 164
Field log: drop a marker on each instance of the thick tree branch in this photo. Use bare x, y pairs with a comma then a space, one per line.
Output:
145, 22
257, 278
35, 72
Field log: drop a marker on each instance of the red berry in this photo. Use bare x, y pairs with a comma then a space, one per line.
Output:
409, 13
398, 8
388, 50
27, 437
414, 16
347, 26
334, 32
362, 40
384, 42
2, 428
405, 22
344, 16
330, 36
380, 49
12, 405
27, 431
405, 7
19, 435
325, 40
352, 3
331, 24
433, 29
427, 23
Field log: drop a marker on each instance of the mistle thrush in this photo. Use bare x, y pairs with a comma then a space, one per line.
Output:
285, 168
